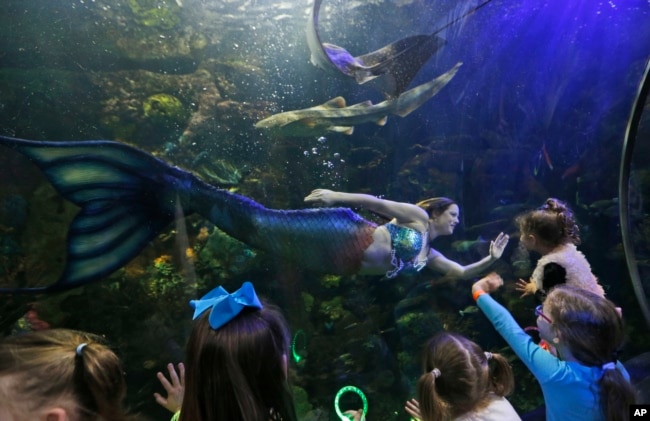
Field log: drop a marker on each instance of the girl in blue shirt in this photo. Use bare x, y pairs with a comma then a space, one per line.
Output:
585, 381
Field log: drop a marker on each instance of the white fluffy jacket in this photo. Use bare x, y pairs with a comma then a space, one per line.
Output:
578, 270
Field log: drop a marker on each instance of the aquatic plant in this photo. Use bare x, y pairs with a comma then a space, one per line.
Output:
221, 253
308, 301
330, 281
164, 108
301, 401
163, 14
333, 309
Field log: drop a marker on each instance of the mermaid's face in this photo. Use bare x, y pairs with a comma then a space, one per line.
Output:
445, 223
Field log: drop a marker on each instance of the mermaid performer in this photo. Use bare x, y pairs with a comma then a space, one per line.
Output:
128, 196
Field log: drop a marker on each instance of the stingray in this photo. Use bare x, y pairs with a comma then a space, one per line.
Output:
394, 65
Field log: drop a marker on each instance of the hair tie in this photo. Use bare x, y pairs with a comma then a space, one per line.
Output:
80, 348
609, 366
435, 373
224, 306
488, 355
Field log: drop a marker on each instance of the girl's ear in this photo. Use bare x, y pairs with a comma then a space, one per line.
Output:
557, 338
55, 414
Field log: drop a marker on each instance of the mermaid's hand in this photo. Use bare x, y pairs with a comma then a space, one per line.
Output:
498, 245
321, 197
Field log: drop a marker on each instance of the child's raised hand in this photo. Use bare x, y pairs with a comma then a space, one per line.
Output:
489, 283
356, 415
525, 287
175, 389
413, 409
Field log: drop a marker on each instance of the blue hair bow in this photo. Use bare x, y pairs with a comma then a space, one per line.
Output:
224, 306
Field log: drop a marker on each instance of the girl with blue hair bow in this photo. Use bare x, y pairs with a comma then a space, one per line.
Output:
236, 363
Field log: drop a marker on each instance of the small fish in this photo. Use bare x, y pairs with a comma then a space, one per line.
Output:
541, 156
547, 158
468, 310
537, 162
572, 171
467, 245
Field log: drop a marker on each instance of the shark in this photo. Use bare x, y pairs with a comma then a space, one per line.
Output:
335, 116
396, 63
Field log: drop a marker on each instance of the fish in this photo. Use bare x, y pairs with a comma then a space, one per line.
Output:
510, 210
397, 62
542, 155
547, 158
463, 246
335, 116
468, 310
126, 197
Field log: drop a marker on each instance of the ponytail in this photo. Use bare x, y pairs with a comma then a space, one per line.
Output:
98, 381
501, 379
616, 395
432, 406
593, 330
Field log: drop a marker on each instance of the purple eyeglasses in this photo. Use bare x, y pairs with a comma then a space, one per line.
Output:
540, 313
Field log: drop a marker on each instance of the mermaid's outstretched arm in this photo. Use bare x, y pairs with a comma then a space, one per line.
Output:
127, 197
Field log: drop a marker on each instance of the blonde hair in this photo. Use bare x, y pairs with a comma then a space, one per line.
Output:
53, 368
458, 377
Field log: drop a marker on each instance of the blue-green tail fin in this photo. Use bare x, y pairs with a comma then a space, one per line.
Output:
123, 198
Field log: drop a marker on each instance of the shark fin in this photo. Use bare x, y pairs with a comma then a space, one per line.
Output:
364, 104
341, 129
382, 121
338, 102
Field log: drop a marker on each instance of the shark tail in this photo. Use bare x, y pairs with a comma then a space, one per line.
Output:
412, 99
126, 197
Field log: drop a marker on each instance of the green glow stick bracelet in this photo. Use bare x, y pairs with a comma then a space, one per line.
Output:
352, 389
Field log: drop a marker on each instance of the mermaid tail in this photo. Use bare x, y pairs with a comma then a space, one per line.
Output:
127, 197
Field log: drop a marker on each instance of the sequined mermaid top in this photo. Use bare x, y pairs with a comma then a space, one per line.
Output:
406, 245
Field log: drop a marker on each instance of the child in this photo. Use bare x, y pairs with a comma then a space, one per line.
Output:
585, 381
461, 382
552, 232
60, 374
236, 366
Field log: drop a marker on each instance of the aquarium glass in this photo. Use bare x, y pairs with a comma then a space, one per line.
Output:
495, 104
